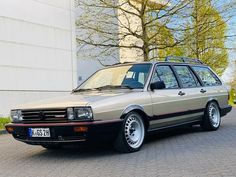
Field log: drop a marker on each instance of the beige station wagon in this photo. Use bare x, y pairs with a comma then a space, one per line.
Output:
124, 103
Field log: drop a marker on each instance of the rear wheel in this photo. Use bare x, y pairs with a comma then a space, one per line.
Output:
212, 118
131, 135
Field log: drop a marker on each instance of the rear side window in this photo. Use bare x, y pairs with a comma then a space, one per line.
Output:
165, 74
186, 76
207, 76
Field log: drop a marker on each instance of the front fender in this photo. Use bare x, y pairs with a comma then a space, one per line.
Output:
131, 108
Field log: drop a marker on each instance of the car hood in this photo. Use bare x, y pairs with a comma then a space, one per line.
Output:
75, 99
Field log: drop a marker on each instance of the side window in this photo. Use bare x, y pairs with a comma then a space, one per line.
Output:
165, 74
186, 76
207, 76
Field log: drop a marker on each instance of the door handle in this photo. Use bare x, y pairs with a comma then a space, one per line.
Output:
203, 91
181, 93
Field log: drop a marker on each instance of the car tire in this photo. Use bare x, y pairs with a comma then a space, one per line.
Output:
51, 146
132, 134
212, 118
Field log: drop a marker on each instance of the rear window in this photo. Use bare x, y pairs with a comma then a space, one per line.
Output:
207, 76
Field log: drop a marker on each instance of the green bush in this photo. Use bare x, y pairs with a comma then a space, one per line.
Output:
3, 122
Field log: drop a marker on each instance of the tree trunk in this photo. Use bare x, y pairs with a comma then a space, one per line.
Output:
145, 52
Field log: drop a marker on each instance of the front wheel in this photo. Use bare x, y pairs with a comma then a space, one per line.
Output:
212, 119
131, 135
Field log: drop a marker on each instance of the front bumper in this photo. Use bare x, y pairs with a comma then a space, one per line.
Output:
65, 133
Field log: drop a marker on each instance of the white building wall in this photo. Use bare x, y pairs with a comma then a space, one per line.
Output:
37, 50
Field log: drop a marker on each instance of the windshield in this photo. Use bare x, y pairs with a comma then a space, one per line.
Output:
127, 76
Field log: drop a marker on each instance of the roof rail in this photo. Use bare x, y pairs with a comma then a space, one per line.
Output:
183, 59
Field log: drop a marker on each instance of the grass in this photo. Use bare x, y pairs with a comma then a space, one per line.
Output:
232, 103
3, 122
232, 97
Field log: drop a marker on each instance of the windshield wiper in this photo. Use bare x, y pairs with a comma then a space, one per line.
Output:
81, 90
127, 86
114, 87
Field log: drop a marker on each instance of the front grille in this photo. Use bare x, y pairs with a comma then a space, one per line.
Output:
46, 115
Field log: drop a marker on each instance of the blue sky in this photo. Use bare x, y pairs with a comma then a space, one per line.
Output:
231, 43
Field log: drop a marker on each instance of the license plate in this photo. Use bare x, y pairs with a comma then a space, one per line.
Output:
39, 132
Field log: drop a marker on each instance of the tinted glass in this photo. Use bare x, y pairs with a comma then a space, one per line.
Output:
186, 76
165, 74
207, 76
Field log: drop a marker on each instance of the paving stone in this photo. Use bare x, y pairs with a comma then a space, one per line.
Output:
182, 152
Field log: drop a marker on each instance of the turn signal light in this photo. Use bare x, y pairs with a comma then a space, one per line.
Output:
81, 129
10, 129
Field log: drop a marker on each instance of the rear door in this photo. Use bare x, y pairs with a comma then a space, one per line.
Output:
193, 91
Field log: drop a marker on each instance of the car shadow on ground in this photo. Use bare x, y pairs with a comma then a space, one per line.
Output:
102, 150
172, 133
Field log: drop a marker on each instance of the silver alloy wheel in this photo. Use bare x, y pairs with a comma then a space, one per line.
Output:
134, 131
214, 115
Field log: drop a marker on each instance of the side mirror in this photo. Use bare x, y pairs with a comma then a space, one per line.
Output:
157, 85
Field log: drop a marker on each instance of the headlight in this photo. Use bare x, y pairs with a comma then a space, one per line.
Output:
16, 115
83, 113
80, 113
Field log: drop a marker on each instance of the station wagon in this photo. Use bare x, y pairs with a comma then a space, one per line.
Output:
125, 102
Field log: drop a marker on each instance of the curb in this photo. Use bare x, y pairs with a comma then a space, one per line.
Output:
3, 132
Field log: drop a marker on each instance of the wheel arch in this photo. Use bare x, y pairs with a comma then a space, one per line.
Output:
140, 110
212, 100
216, 101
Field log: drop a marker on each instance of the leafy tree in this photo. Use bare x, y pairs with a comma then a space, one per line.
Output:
165, 37
207, 31
106, 24
194, 28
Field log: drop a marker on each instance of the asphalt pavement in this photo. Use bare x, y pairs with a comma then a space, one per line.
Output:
182, 152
